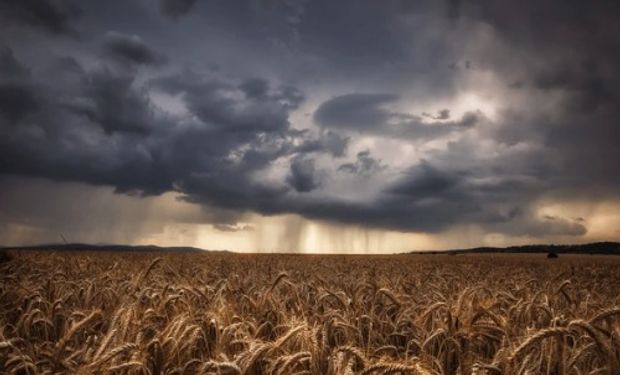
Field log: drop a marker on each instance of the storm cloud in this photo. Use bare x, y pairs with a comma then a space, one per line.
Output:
131, 49
176, 8
55, 17
408, 116
366, 113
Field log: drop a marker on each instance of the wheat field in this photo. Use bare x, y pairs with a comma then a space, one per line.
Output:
218, 313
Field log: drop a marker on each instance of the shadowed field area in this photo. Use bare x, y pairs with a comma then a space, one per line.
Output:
193, 313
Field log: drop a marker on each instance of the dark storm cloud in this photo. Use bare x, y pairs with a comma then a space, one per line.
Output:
176, 8
66, 134
364, 164
367, 113
109, 112
116, 106
131, 49
329, 141
432, 199
10, 68
327, 42
54, 16
103, 129
17, 101
334, 143
109, 99
250, 106
353, 33
425, 181
255, 88
585, 89
357, 111
18, 97
302, 175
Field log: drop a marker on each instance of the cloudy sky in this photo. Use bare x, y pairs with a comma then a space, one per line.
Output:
293, 125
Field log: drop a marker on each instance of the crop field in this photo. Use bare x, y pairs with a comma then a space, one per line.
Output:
218, 313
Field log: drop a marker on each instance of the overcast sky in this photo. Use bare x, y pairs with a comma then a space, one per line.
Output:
293, 125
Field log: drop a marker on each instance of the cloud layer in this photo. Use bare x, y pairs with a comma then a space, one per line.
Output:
416, 117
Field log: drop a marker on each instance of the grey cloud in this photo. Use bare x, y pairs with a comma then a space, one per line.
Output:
585, 87
131, 49
334, 143
528, 223
18, 96
10, 67
364, 164
255, 88
329, 141
424, 181
213, 105
302, 175
356, 111
367, 113
104, 130
289, 96
17, 100
54, 16
176, 8
572, 53
432, 197
110, 99
66, 67
251, 106
376, 43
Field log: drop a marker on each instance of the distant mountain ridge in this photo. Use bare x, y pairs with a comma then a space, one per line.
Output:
113, 248
608, 248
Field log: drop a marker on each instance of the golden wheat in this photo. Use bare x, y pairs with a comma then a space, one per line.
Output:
217, 313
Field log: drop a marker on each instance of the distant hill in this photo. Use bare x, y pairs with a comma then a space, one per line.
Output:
608, 248
115, 248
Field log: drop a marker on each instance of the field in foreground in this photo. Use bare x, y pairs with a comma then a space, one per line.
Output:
127, 313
